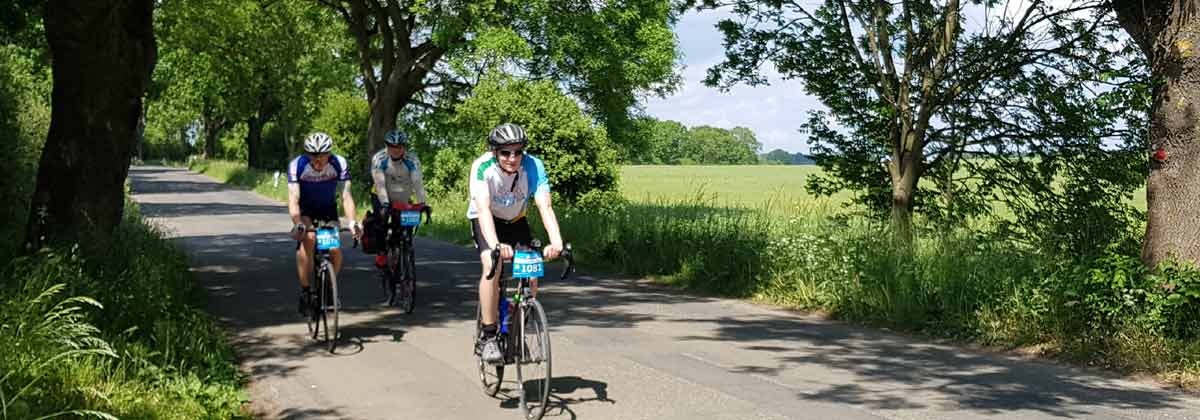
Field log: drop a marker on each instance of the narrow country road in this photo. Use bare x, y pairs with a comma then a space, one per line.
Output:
623, 349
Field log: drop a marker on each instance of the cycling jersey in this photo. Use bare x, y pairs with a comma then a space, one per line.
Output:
510, 193
318, 189
396, 180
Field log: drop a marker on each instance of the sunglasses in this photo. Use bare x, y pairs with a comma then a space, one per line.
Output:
505, 153
318, 155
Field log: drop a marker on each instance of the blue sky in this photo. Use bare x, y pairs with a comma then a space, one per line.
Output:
774, 112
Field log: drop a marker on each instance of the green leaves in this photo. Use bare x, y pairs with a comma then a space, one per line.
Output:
579, 158
1042, 111
244, 59
669, 142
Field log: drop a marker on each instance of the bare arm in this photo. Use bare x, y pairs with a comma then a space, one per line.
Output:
487, 226
294, 202
348, 203
549, 220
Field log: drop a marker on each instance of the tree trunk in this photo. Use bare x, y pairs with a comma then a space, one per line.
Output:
905, 170
253, 140
212, 130
210, 143
902, 208
1169, 34
103, 53
385, 108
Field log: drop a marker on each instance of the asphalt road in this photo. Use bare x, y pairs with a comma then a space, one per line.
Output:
623, 349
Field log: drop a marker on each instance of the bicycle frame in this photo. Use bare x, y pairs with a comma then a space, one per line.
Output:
524, 292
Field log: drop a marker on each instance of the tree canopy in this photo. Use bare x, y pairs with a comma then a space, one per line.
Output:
1031, 93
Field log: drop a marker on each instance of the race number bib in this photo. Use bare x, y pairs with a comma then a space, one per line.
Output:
410, 218
327, 239
527, 264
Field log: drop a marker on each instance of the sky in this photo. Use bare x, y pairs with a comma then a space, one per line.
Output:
773, 112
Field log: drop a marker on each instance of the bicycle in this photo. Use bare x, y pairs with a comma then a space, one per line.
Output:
327, 301
530, 346
399, 276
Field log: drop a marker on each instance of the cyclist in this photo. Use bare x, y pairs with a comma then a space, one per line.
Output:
501, 183
314, 178
396, 173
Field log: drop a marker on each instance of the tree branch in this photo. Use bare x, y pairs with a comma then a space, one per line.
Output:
358, 27
389, 42
337, 6
848, 33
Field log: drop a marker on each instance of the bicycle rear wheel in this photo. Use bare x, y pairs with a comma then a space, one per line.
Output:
330, 304
490, 380
533, 359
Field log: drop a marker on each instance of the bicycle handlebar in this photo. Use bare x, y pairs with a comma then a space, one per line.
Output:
566, 255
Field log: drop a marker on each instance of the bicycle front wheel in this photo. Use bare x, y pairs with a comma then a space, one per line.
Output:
533, 359
392, 276
407, 295
489, 378
330, 300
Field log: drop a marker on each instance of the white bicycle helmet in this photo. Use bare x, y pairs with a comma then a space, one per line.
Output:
506, 134
318, 143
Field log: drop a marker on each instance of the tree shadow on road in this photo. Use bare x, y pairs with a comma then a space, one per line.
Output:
891, 372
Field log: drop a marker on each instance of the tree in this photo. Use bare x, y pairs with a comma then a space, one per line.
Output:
663, 138
912, 93
1166, 33
103, 54
579, 157
19, 22
712, 145
778, 156
606, 52
249, 62
747, 139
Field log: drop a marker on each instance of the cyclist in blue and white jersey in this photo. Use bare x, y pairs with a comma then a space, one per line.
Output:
396, 173
314, 179
501, 183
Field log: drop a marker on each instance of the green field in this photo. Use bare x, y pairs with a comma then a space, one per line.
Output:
781, 187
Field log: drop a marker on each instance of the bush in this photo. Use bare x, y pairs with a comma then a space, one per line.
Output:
151, 352
345, 116
447, 172
604, 203
578, 155
24, 120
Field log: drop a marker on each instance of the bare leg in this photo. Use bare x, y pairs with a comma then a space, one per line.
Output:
304, 255
489, 289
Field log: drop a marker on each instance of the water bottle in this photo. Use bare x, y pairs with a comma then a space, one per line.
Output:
503, 315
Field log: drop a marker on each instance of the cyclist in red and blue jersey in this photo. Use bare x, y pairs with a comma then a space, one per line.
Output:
314, 179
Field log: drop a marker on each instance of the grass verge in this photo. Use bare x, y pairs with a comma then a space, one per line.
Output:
118, 336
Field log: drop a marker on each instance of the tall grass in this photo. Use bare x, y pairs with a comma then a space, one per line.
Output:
262, 181
120, 335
